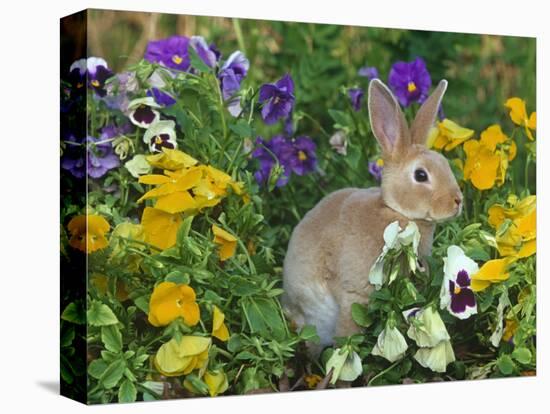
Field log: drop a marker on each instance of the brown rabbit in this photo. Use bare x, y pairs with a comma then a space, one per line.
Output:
332, 249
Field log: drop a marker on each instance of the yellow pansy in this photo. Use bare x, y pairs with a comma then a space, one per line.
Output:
172, 191
516, 227
312, 380
216, 382
181, 358
88, 232
171, 159
493, 271
160, 227
488, 158
518, 115
481, 165
170, 301
447, 135
219, 329
498, 213
227, 242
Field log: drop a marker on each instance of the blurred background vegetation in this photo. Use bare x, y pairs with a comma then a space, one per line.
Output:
483, 71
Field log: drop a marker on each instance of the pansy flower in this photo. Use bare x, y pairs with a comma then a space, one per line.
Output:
518, 115
369, 72
345, 365
269, 153
100, 157
456, 294
161, 134
208, 53
170, 301
142, 112
355, 97
277, 99
219, 328
171, 52
339, 142
88, 232
226, 241
98, 73
138, 166
410, 81
160, 227
162, 98
216, 382
182, 357
231, 75
305, 157
390, 344
375, 168
448, 135
77, 74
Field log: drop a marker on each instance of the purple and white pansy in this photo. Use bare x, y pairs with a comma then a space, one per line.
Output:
456, 294
142, 111
95, 70
161, 134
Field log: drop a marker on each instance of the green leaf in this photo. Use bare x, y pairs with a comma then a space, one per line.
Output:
196, 384
360, 315
244, 355
506, 365
67, 335
142, 303
111, 338
241, 128
522, 355
100, 314
127, 392
183, 230
264, 318
96, 368
197, 62
341, 118
113, 373
74, 313
177, 276
309, 333
234, 343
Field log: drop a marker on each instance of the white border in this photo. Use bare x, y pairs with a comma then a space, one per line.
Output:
29, 204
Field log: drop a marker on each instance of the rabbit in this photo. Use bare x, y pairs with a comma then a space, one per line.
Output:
331, 250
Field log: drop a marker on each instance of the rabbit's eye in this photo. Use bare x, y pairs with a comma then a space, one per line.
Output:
420, 175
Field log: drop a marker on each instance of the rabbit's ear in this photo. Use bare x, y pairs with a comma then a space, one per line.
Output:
425, 117
387, 120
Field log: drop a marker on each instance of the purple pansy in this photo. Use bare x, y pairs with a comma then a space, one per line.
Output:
268, 153
356, 96
456, 292
95, 70
208, 54
162, 98
231, 74
375, 169
304, 158
277, 99
410, 81
99, 159
119, 91
369, 72
170, 52
462, 295
296, 156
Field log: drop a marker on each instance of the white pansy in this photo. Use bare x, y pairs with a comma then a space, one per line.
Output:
394, 237
455, 263
391, 344
142, 113
426, 327
436, 358
345, 365
138, 166
161, 134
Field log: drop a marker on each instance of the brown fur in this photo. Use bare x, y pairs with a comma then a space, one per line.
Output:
332, 249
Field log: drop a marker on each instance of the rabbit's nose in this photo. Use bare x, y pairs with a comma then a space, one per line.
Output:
458, 201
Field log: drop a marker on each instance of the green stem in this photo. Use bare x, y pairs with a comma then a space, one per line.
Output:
392, 366
239, 34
